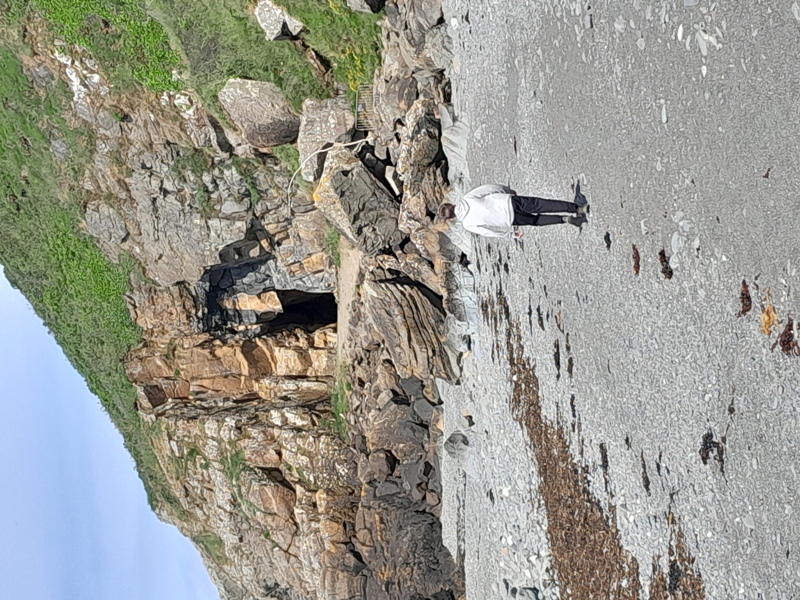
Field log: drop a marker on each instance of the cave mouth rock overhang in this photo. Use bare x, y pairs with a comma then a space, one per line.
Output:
252, 298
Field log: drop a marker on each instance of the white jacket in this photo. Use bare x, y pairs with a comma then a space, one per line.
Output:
487, 211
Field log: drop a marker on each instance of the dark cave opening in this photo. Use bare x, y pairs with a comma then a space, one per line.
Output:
241, 298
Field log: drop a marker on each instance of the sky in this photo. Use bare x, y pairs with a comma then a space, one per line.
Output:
74, 517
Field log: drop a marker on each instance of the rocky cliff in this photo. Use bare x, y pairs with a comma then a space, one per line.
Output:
239, 308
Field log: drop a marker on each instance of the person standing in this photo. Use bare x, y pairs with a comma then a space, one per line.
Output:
497, 211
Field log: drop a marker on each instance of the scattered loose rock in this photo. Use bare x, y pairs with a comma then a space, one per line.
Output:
746, 300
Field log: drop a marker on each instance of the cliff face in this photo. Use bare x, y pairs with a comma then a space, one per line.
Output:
237, 303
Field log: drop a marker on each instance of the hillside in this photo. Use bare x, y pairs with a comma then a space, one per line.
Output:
149, 218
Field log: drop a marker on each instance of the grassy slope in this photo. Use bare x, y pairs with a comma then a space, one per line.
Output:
143, 41
70, 284
349, 40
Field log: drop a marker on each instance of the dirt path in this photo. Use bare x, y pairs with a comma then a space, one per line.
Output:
346, 280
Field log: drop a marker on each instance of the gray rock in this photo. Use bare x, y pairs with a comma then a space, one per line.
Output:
60, 149
356, 204
322, 122
424, 410
421, 142
276, 22
168, 227
368, 6
457, 445
387, 488
454, 140
233, 206
377, 467
422, 15
438, 47
107, 227
261, 111
38, 74
397, 95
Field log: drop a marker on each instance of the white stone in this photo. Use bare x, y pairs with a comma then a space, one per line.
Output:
276, 22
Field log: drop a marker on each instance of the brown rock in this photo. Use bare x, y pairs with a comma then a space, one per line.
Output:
264, 302
412, 328
375, 467
316, 263
163, 312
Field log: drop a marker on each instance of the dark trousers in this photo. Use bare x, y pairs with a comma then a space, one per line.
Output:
528, 210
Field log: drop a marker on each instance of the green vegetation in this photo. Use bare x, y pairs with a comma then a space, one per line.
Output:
71, 286
222, 40
213, 546
129, 43
180, 464
331, 245
148, 41
349, 40
233, 465
192, 160
289, 156
340, 404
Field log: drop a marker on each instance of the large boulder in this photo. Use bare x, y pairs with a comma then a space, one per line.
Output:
356, 204
276, 22
322, 123
261, 111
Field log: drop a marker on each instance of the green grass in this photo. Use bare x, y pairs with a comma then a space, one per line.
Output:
289, 156
70, 284
219, 40
213, 546
331, 245
340, 404
128, 42
145, 41
349, 40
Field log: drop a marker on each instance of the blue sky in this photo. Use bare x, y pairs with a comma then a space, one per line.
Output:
73, 513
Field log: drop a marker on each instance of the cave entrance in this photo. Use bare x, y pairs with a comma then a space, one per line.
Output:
304, 309
249, 298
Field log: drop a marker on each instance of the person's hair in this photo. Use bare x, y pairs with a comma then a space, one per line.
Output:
447, 211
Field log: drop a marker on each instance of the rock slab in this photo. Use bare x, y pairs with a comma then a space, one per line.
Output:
356, 204
261, 111
322, 123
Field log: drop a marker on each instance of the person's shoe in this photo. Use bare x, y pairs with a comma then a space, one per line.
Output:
577, 220
580, 200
